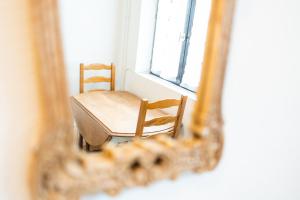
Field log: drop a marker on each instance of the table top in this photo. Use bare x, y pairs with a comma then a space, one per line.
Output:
118, 112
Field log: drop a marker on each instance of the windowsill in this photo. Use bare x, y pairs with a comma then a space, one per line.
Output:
169, 85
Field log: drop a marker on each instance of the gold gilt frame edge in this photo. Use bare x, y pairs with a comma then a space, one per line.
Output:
60, 171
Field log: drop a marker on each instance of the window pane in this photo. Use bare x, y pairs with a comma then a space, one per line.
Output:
195, 55
168, 40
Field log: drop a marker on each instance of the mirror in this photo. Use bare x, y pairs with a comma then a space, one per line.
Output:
158, 44
152, 70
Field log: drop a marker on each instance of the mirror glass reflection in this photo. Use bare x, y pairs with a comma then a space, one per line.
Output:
133, 66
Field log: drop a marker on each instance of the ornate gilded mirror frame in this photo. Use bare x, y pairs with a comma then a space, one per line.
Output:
59, 170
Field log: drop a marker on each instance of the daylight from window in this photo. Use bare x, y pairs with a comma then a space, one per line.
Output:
179, 41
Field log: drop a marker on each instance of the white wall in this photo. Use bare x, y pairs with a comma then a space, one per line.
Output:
261, 107
91, 34
262, 102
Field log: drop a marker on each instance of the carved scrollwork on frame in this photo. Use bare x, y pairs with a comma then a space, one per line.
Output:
60, 171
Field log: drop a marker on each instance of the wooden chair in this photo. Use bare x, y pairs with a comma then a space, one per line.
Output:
97, 79
167, 103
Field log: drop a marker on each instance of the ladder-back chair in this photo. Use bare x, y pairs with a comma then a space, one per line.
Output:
167, 103
97, 79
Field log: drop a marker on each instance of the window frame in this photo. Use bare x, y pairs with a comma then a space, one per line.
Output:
185, 44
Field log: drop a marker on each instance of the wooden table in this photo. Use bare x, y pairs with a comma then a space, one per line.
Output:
101, 115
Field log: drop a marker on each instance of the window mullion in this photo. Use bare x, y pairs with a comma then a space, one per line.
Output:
185, 44
153, 39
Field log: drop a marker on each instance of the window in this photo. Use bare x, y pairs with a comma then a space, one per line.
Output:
179, 41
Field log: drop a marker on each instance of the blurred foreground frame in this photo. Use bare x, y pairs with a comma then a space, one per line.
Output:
58, 170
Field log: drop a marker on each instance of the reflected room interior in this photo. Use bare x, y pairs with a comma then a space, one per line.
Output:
132, 68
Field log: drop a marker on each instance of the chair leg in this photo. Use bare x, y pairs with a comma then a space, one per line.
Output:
179, 132
80, 142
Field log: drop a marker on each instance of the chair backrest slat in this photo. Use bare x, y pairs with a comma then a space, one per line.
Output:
160, 121
163, 104
97, 67
97, 79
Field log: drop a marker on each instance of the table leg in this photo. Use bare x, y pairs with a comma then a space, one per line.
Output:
88, 146
80, 142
